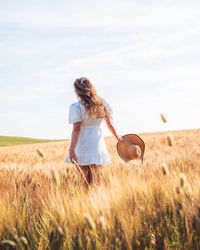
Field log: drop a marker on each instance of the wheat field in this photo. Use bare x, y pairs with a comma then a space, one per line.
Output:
44, 203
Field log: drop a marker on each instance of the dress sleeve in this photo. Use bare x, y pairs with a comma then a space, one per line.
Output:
74, 113
108, 108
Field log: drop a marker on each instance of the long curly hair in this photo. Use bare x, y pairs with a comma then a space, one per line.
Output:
87, 94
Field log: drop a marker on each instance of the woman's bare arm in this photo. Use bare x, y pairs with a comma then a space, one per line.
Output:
112, 129
74, 139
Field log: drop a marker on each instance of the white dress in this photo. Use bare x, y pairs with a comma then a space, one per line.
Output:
91, 147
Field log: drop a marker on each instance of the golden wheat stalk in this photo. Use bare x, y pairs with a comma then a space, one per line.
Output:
165, 169
40, 153
164, 119
79, 169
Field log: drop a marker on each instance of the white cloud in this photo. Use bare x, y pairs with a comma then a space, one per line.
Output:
143, 57
100, 14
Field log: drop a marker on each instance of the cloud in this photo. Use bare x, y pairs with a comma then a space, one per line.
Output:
143, 57
103, 14
165, 55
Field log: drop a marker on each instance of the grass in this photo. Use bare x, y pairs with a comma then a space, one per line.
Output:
14, 140
44, 204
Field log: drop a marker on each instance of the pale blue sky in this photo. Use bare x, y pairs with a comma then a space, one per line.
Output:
142, 56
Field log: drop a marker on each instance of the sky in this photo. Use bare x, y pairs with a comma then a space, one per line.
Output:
142, 56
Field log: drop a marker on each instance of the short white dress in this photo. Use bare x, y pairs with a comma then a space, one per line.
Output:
91, 147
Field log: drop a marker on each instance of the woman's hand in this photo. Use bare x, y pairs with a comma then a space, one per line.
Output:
72, 156
119, 139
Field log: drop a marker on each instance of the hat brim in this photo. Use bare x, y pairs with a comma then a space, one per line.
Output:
130, 139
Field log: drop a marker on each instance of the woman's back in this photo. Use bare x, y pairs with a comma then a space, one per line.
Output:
91, 146
78, 112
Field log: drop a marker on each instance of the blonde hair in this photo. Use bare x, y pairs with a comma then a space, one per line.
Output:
86, 91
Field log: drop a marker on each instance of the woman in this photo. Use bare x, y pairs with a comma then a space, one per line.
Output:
87, 146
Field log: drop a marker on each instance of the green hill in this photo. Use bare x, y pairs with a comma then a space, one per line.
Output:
14, 140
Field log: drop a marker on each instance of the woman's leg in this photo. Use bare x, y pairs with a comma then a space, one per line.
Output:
95, 172
92, 173
86, 173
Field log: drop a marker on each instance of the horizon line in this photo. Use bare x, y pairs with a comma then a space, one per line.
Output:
107, 136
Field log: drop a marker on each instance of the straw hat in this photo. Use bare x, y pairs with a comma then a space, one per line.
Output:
131, 148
